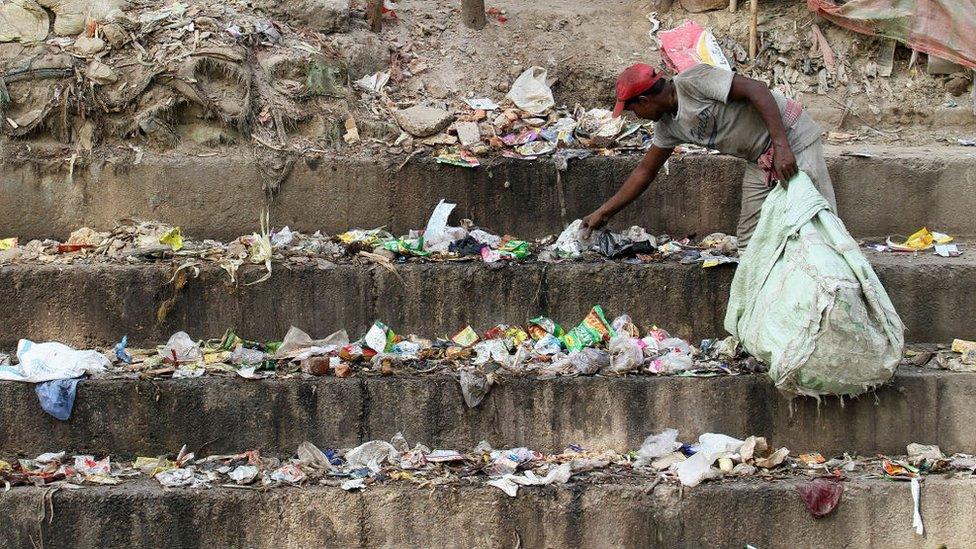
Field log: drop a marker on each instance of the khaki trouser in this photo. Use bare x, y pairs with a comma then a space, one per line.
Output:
754, 189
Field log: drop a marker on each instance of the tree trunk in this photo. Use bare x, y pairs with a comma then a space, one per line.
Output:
374, 15
473, 14
753, 29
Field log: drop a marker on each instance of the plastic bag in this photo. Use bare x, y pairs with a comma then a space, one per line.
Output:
592, 330
589, 361
39, 362
821, 495
805, 301
436, 233
493, 350
181, 349
371, 455
530, 92
672, 363
626, 354
656, 446
615, 245
57, 397
570, 245
548, 344
474, 387
711, 446
298, 345
380, 337
70, 16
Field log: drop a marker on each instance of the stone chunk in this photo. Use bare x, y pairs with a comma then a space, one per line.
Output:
421, 121
325, 16
697, 6
88, 46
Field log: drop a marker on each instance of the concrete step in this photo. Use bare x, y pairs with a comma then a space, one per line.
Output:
221, 196
224, 415
96, 304
872, 513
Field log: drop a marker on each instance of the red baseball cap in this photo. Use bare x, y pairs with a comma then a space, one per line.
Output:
633, 81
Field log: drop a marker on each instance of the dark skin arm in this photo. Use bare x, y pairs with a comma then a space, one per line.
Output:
742, 89
636, 183
755, 92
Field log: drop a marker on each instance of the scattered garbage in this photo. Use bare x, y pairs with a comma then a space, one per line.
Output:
140, 242
849, 337
39, 362
662, 457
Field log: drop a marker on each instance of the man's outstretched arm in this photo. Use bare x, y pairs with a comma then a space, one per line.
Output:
635, 184
755, 92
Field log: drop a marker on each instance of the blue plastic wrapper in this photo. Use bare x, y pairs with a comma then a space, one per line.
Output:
58, 397
120, 351
330, 454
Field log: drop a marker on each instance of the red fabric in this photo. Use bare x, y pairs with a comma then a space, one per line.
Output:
821, 495
944, 28
633, 81
792, 113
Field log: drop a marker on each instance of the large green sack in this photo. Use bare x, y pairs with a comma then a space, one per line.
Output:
806, 301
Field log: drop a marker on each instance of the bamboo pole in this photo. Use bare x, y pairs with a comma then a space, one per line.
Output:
473, 14
753, 29
733, 5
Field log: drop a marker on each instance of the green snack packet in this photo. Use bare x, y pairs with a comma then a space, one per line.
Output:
592, 330
517, 249
596, 321
580, 337
407, 246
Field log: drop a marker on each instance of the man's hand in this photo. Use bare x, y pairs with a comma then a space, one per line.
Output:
592, 222
784, 163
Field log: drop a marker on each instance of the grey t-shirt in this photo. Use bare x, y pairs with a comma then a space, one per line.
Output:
706, 117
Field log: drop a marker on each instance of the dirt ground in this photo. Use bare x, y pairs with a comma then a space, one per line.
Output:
190, 83
586, 44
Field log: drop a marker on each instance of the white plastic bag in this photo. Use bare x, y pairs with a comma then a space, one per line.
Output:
656, 446
625, 354
181, 349
371, 454
571, 243
530, 92
589, 361
298, 345
437, 234
711, 446
492, 350
38, 362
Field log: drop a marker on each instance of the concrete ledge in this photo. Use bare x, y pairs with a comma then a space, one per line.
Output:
899, 190
96, 304
872, 513
221, 415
